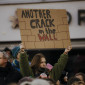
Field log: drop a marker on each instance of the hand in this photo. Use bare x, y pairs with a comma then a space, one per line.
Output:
65, 78
58, 82
22, 47
67, 49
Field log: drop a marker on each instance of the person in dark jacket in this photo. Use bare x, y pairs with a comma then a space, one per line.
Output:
7, 73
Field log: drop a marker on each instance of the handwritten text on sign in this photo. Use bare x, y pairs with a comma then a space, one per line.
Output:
45, 21
44, 28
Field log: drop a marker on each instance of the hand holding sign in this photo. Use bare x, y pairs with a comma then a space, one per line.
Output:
22, 47
67, 49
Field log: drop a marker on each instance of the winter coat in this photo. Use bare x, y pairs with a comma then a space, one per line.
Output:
15, 65
9, 75
55, 73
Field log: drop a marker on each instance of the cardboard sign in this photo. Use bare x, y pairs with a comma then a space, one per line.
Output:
43, 28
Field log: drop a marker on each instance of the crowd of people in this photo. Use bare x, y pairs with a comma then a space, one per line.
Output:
16, 69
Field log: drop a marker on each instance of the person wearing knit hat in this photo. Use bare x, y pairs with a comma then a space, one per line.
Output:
15, 53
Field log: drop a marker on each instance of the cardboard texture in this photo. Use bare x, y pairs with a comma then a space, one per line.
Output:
44, 28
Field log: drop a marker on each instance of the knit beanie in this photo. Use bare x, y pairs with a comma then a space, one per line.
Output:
15, 51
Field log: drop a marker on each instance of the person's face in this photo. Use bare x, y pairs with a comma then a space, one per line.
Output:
43, 63
79, 77
2, 60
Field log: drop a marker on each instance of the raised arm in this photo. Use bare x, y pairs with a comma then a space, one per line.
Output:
60, 65
25, 68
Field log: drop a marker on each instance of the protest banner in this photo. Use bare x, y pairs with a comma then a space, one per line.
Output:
44, 28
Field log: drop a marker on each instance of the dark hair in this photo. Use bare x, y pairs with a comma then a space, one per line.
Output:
82, 74
35, 63
7, 49
72, 80
78, 83
5, 56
